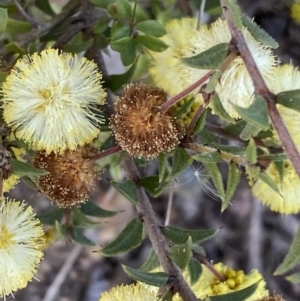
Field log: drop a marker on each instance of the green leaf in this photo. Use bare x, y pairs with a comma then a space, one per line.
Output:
179, 235
251, 152
213, 81
30, 182
151, 27
200, 123
129, 239
101, 3
184, 109
124, 9
269, 181
151, 262
100, 27
153, 43
256, 113
258, 33
126, 48
249, 131
76, 48
117, 81
78, 236
274, 157
294, 278
23, 169
120, 32
292, 258
3, 76
3, 20
289, 99
181, 254
208, 59
235, 13
216, 177
45, 7
152, 185
234, 175
15, 48
195, 270
218, 109
156, 279
212, 157
163, 166
15, 27
89, 208
81, 221
128, 189
101, 41
280, 168
181, 160
50, 217
240, 295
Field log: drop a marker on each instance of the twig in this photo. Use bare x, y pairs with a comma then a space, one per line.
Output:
105, 153
170, 204
31, 36
185, 92
201, 13
262, 89
53, 289
24, 14
158, 240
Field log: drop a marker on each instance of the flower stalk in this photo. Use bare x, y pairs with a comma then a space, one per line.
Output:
159, 242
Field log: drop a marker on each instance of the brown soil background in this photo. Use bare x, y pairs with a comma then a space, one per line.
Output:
251, 236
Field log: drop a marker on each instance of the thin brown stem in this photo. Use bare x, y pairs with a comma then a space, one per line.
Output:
262, 89
195, 118
24, 13
159, 242
106, 153
168, 104
201, 258
31, 36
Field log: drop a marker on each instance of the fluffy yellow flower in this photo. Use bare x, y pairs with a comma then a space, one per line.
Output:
185, 40
14, 179
51, 100
287, 198
20, 241
133, 292
286, 78
209, 285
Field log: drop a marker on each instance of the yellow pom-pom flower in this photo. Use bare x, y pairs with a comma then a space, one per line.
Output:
51, 100
210, 285
287, 197
21, 236
185, 40
133, 292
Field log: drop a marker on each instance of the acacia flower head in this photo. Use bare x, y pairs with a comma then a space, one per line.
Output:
184, 40
286, 199
21, 236
136, 292
72, 175
139, 127
285, 78
51, 100
210, 285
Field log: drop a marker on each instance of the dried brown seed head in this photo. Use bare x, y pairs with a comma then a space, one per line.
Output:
72, 176
139, 127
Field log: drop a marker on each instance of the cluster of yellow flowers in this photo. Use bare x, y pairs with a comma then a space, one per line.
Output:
234, 87
207, 285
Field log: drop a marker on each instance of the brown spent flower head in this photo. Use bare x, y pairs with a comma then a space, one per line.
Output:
139, 127
72, 175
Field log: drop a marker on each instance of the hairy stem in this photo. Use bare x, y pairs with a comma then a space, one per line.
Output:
262, 89
159, 242
168, 104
